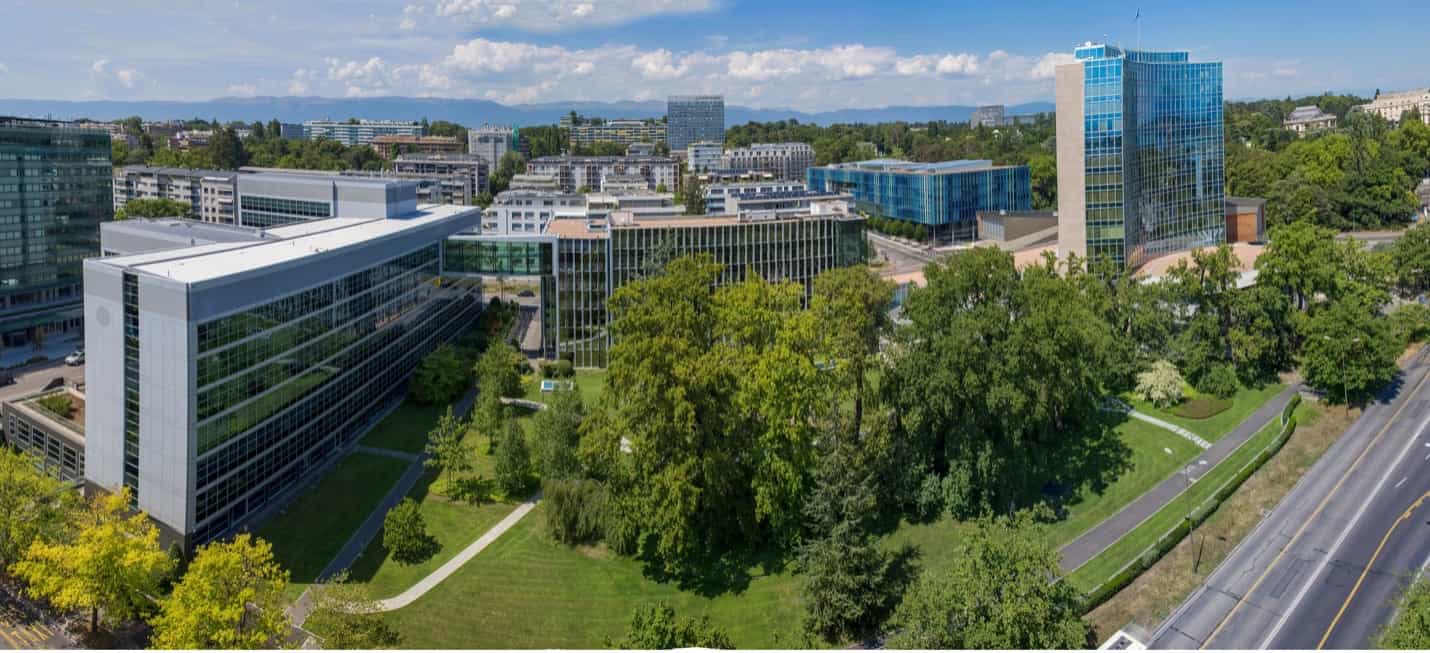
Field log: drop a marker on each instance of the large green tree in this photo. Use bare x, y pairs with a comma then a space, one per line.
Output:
655, 626
231, 597
996, 594
153, 207
1349, 350
1411, 259
34, 506
440, 377
852, 303
346, 618
556, 435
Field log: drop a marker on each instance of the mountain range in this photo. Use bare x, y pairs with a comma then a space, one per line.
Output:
461, 111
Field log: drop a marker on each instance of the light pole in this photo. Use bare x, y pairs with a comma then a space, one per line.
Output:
1345, 383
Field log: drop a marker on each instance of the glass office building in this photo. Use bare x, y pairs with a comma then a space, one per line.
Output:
945, 197
55, 189
582, 262
1140, 154
694, 118
240, 369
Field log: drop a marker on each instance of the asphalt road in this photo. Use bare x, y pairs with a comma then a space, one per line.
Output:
1328, 562
31, 379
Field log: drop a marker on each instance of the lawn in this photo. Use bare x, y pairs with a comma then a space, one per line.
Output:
406, 427
453, 524
1215, 427
526, 591
1124, 550
312, 529
588, 383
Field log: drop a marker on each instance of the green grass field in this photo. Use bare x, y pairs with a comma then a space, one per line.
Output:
405, 428
314, 527
1214, 428
453, 524
1124, 550
588, 383
526, 591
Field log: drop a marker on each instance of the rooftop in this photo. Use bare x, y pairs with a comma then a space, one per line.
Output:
413, 138
290, 243
192, 172
182, 231
566, 158
1300, 114
911, 167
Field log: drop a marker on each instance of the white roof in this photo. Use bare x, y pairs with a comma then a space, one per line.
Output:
206, 262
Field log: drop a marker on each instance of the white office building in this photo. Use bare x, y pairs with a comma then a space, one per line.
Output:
529, 211
783, 160
717, 194
703, 156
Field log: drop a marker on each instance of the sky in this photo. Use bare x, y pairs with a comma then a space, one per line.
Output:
809, 55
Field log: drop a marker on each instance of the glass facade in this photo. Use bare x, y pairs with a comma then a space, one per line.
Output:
1153, 148
944, 197
260, 211
55, 188
694, 118
131, 384
282, 386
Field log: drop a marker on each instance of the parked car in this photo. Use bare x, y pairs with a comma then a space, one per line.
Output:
76, 358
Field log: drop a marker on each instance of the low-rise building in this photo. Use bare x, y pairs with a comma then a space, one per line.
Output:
224, 376
1016, 229
1245, 219
988, 116
641, 204
533, 182
701, 156
528, 211
48, 424
190, 139
1392, 105
470, 165
1306, 120
782, 203
717, 194
209, 193
391, 145
588, 173
783, 160
270, 198
359, 132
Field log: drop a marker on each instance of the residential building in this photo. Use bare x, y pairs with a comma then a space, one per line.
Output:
115, 130
944, 197
642, 204
55, 190
715, 195
1140, 154
454, 188
783, 160
1245, 219
581, 262
1306, 120
1392, 105
358, 132
270, 199
533, 182
391, 145
574, 173
723, 176
528, 211
988, 116
32, 425
640, 149
703, 155
694, 118
471, 165
190, 139
209, 193
588, 132
491, 142
1422, 192
224, 376
782, 203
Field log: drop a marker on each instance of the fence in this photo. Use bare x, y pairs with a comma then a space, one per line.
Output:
1154, 552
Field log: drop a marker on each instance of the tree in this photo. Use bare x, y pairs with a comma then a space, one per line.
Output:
111, 567
1411, 628
440, 377
33, 505
1161, 385
996, 594
346, 617
513, 460
1263, 334
852, 303
1349, 350
692, 195
654, 626
510, 165
1411, 258
153, 207
1043, 169
497, 373
226, 150
849, 581
557, 435
404, 533
445, 449
232, 597
575, 509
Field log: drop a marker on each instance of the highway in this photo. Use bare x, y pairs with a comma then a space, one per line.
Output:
1324, 568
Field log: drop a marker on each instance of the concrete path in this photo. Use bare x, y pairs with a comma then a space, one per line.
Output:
1114, 528
451, 566
1115, 405
390, 453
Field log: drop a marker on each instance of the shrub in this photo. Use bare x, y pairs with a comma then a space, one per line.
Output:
1161, 384
59, 404
565, 369
575, 509
440, 377
513, 461
1220, 380
404, 533
548, 370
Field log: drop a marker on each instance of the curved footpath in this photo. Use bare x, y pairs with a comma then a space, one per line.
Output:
1110, 530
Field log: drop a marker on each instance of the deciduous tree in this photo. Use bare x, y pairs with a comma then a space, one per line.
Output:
513, 460
1349, 350
231, 597
347, 619
445, 449
1161, 384
556, 435
654, 626
33, 505
404, 533
440, 377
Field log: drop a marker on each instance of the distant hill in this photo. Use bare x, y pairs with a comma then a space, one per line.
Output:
465, 112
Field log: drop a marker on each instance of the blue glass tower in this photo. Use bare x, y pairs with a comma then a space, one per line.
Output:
694, 118
1140, 154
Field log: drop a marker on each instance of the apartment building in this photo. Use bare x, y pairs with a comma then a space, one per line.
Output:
783, 160
574, 173
1392, 105
359, 132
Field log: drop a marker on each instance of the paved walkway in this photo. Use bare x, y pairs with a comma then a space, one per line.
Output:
1114, 528
390, 453
1115, 405
451, 566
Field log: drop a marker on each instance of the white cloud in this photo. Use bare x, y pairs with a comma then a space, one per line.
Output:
110, 80
558, 15
1046, 67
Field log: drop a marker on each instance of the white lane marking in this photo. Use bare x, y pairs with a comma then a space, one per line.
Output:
1402, 481
1331, 552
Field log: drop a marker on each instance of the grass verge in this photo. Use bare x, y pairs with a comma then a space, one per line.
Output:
1153, 595
405, 428
1216, 426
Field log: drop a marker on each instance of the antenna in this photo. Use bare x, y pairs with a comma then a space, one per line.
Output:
1138, 19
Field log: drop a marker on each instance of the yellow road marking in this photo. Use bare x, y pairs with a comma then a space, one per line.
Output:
6, 636
1307, 523
1403, 516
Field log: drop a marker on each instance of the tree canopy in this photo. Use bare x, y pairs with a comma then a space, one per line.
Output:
231, 597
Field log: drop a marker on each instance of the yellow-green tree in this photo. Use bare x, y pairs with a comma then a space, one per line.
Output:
230, 598
112, 567
33, 505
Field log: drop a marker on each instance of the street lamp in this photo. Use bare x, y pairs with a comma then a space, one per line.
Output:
1345, 384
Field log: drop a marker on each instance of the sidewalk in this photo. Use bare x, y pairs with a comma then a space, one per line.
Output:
1112, 529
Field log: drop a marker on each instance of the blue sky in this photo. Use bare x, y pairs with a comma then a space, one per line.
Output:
802, 54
